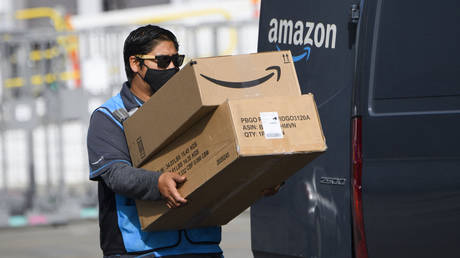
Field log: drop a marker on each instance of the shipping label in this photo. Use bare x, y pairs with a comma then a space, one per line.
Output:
270, 125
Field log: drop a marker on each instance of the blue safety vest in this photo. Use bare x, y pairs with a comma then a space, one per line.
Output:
136, 240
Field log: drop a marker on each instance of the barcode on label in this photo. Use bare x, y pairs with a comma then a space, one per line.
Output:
274, 135
271, 125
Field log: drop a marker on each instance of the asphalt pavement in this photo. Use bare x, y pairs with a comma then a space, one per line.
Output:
81, 239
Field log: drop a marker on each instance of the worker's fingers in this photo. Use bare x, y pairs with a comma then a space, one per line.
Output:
272, 190
167, 185
268, 192
177, 197
172, 202
179, 179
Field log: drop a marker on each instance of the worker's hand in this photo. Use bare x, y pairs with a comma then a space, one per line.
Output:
272, 190
167, 184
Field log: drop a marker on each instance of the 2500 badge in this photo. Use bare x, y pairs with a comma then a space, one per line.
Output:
332, 180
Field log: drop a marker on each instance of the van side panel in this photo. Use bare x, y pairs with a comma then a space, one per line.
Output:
310, 216
411, 129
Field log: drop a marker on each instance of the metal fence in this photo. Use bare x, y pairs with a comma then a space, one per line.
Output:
50, 83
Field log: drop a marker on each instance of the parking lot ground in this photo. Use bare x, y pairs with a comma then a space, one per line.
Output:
81, 239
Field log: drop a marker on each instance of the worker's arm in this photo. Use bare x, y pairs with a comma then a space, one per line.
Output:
139, 184
109, 161
132, 182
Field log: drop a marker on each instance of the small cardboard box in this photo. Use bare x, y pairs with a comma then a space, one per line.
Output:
231, 155
198, 88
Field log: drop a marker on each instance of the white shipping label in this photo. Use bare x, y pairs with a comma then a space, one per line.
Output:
271, 124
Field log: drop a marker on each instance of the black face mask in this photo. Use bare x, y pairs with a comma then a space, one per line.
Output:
157, 78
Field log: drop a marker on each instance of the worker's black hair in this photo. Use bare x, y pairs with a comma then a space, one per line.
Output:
142, 40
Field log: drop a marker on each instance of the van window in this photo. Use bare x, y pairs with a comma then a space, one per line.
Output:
417, 54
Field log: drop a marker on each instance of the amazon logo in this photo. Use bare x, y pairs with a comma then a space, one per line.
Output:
305, 54
305, 34
247, 84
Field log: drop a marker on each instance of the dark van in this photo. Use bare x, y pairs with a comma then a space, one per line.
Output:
386, 78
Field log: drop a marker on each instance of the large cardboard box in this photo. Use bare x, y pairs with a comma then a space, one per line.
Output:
198, 88
231, 155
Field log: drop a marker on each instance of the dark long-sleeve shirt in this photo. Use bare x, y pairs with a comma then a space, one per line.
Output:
110, 165
110, 161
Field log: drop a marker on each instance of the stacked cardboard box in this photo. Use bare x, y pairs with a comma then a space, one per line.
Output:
201, 86
234, 126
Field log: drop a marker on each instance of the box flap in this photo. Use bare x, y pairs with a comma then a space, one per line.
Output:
180, 90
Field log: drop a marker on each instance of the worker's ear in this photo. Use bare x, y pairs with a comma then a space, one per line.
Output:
134, 64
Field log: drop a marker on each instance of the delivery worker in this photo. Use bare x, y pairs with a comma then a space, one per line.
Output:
151, 57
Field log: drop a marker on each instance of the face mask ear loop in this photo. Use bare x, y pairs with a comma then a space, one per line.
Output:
141, 63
